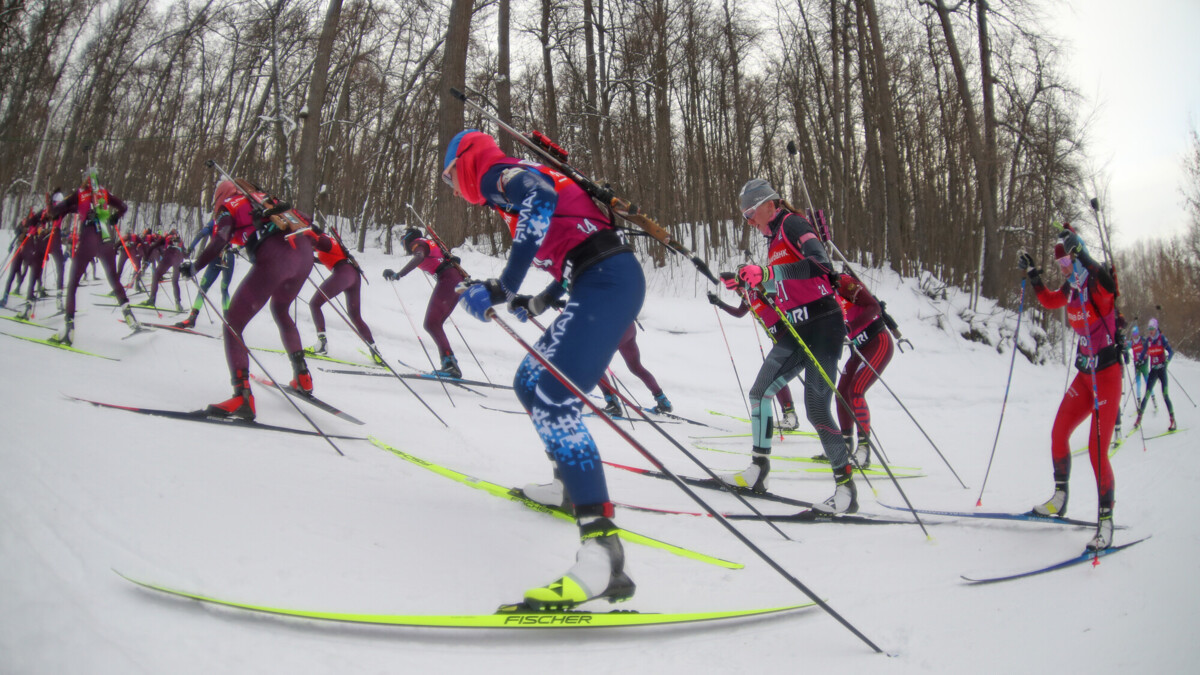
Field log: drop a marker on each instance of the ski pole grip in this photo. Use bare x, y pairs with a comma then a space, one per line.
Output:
210, 163
458, 94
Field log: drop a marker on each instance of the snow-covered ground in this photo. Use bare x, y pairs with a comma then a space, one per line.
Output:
282, 520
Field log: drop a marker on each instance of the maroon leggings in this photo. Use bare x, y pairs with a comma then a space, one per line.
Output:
633, 360
280, 267
88, 247
857, 378
441, 303
169, 260
344, 278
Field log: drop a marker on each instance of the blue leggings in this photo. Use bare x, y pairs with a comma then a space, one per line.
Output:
225, 269
604, 301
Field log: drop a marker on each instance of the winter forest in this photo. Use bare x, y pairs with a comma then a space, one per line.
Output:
940, 136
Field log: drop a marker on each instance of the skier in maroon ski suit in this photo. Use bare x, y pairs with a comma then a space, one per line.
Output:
97, 212
1089, 296
871, 352
633, 360
167, 256
428, 256
279, 265
27, 258
345, 277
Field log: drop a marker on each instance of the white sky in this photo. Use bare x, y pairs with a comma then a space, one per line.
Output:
1137, 65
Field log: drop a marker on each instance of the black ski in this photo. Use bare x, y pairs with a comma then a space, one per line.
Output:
309, 399
201, 416
1086, 556
713, 484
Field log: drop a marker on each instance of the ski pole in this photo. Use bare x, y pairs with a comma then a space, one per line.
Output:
566, 382
846, 405
375, 351
879, 377
1180, 385
1004, 405
274, 382
729, 350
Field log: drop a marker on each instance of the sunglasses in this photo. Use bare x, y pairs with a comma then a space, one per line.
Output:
447, 176
749, 213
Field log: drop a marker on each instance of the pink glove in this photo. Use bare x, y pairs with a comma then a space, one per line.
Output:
753, 275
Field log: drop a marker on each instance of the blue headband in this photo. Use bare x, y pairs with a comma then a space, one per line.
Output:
452, 149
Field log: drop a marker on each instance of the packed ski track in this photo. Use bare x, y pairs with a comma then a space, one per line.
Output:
281, 520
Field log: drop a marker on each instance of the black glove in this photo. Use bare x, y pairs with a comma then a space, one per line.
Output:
533, 304
713, 299
389, 275
1025, 261
1071, 241
187, 269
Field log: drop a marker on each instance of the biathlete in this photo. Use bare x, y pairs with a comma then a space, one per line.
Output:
97, 213
1141, 367
769, 320
345, 277
1158, 354
798, 275
279, 265
1089, 294
557, 227
224, 268
429, 258
28, 259
871, 351
167, 255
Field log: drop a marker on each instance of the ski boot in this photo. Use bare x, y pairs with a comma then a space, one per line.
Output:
789, 421
178, 307
58, 301
662, 403
24, 313
1137, 424
449, 368
1104, 531
240, 406
862, 454
1172, 427
321, 347
43, 293
613, 407
64, 338
599, 569
1057, 505
845, 494
375, 357
302, 382
130, 319
190, 321
551, 494
4, 300
753, 477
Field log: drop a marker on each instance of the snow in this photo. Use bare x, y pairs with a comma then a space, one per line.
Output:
282, 520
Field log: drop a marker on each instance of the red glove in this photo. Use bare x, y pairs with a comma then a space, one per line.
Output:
731, 282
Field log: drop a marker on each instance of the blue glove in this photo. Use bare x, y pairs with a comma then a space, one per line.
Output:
479, 298
519, 310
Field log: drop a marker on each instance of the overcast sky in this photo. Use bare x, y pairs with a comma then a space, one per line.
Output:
1137, 65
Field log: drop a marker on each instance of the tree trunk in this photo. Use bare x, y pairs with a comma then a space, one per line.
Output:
504, 76
550, 104
452, 212
310, 134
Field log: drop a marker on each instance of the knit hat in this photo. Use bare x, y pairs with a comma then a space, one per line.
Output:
410, 235
1060, 251
1134, 332
225, 190
1153, 324
755, 192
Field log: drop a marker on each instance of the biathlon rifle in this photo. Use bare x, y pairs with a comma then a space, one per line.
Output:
556, 158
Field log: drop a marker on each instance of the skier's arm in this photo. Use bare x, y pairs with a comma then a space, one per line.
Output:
204, 232
857, 294
420, 251
65, 206
222, 230
535, 200
118, 209
738, 311
1098, 271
